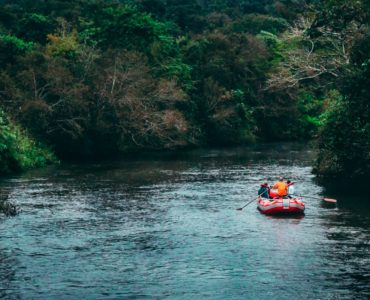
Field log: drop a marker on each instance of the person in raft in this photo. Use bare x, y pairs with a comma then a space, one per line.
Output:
282, 187
264, 191
291, 189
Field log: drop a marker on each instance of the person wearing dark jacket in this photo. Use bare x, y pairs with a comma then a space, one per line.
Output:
264, 191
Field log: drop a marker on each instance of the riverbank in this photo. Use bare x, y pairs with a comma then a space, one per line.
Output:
18, 151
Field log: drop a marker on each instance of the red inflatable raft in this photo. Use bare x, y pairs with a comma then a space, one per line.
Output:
280, 206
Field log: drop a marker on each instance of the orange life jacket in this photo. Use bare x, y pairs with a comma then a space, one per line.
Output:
281, 187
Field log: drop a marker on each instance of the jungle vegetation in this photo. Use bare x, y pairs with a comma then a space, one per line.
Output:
98, 78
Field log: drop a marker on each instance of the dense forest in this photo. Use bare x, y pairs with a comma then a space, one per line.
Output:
95, 78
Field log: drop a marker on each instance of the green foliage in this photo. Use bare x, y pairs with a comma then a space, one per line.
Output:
15, 43
123, 26
176, 68
275, 45
227, 69
94, 77
344, 139
18, 151
35, 27
12, 46
310, 108
256, 23
287, 9
253, 6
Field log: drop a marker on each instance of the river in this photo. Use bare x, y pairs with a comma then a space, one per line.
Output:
165, 226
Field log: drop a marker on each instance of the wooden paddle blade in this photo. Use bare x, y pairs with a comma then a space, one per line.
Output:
240, 208
330, 200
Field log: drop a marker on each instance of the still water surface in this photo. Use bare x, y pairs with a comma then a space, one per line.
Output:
165, 226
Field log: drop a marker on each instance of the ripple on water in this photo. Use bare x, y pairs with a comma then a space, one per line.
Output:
168, 228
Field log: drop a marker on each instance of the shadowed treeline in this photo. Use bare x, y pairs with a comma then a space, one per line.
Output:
101, 78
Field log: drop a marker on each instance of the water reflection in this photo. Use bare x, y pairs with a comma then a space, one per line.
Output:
8, 286
165, 226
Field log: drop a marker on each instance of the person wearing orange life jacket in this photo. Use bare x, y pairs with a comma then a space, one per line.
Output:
282, 187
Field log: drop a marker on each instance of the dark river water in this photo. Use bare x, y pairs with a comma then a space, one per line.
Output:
165, 226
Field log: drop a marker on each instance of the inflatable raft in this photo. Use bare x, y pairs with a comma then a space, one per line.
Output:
280, 206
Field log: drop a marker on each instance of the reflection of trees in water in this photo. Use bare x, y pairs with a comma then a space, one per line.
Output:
8, 277
349, 234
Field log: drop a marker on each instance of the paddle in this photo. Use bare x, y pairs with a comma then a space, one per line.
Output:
331, 200
240, 208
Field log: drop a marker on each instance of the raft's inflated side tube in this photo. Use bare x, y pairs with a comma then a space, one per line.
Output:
281, 206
